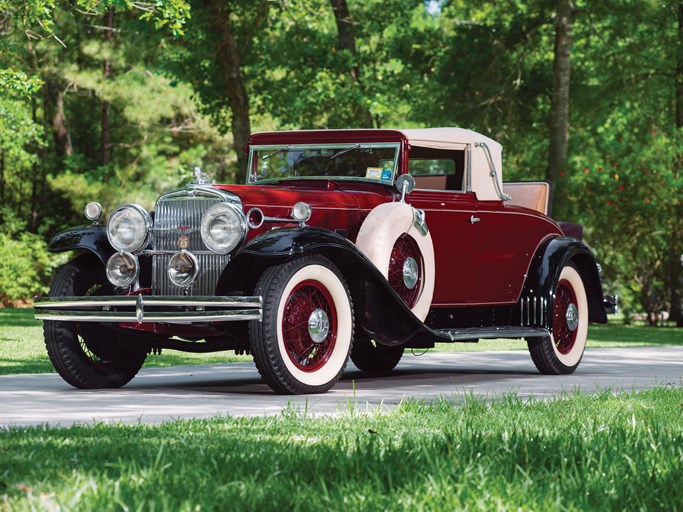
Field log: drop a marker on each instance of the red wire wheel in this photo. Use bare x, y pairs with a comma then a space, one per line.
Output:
565, 317
309, 326
562, 351
406, 269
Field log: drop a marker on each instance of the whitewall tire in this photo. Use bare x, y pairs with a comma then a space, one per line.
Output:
303, 343
561, 352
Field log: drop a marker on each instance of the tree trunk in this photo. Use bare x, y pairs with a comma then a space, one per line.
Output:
676, 256
559, 109
347, 41
60, 130
228, 62
106, 106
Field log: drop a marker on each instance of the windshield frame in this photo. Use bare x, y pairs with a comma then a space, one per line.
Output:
396, 146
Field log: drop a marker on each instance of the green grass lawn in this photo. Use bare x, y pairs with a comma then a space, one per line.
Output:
598, 452
22, 349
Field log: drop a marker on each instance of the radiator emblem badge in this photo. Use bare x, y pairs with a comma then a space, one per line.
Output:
183, 242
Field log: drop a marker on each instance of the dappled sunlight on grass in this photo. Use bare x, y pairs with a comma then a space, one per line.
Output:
587, 452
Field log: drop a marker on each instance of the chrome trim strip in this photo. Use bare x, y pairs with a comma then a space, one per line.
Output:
194, 190
185, 317
468, 168
171, 253
132, 301
492, 332
97, 309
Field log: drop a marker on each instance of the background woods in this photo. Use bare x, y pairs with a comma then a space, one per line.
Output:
115, 100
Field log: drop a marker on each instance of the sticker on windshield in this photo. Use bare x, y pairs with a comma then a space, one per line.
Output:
374, 173
386, 174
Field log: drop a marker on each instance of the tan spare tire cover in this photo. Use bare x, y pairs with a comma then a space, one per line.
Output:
377, 236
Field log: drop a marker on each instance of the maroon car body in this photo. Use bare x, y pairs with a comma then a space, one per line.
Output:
343, 243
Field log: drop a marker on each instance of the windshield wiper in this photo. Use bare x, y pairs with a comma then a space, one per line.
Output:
283, 148
344, 151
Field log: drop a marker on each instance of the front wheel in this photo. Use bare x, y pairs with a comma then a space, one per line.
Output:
86, 355
561, 352
303, 343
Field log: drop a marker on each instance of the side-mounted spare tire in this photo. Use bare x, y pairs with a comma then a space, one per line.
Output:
390, 240
85, 354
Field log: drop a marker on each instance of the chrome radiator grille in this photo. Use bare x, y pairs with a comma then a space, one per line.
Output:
177, 215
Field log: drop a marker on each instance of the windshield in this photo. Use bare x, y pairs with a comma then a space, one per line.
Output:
371, 162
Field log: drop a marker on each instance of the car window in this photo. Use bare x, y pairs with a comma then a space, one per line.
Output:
427, 167
437, 169
372, 162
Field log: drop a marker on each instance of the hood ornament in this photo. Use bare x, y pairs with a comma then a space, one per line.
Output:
200, 178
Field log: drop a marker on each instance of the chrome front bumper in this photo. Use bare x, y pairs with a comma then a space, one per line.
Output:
148, 309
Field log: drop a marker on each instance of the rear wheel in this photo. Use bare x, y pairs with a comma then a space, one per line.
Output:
561, 352
86, 355
303, 343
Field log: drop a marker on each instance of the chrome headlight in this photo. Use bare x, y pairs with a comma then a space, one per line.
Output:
223, 228
93, 211
128, 228
122, 269
183, 269
301, 211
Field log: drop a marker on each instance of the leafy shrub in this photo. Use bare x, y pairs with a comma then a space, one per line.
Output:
25, 267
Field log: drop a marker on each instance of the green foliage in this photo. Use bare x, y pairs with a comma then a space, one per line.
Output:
25, 267
576, 452
17, 84
39, 14
629, 195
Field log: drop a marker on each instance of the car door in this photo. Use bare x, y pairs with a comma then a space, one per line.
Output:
450, 218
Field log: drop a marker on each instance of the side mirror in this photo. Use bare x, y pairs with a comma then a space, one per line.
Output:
405, 184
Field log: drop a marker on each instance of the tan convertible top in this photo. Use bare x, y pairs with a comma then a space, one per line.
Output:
480, 178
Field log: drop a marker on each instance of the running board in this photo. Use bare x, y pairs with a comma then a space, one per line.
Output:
470, 333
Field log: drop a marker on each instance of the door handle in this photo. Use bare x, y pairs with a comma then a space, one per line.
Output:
474, 220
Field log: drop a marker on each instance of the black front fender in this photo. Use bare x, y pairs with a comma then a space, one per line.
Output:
90, 238
379, 310
545, 269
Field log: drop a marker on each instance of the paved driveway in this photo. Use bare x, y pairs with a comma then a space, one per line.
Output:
157, 395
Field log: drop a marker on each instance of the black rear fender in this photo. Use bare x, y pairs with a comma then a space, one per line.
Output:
545, 270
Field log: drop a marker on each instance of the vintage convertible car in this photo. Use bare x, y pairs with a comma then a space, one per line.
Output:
343, 243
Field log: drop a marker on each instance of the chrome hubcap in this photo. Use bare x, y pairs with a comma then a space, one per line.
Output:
572, 317
318, 325
410, 273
